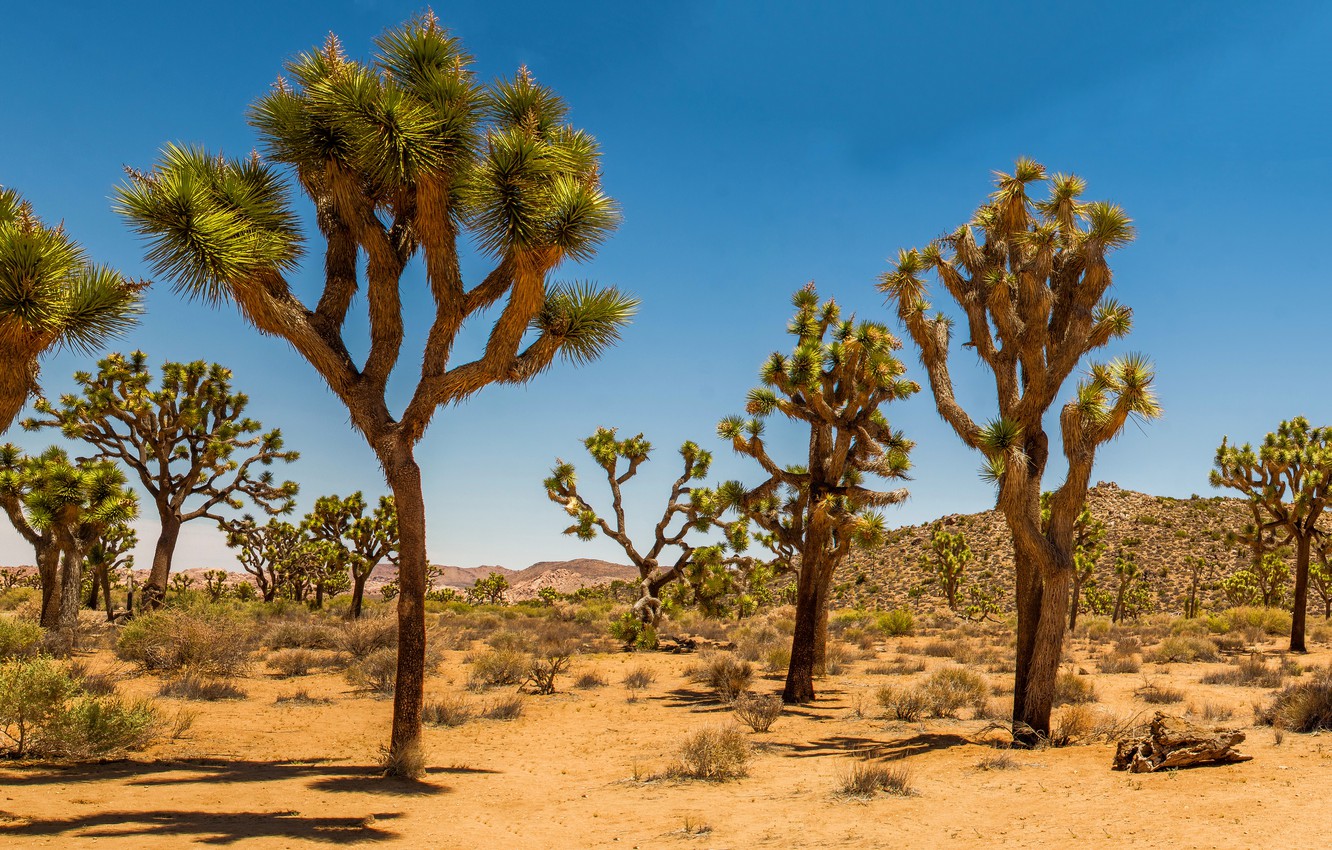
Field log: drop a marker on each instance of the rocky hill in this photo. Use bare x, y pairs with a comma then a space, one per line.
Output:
1166, 530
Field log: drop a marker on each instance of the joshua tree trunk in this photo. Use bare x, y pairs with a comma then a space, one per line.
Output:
1300, 612
48, 568
106, 595
155, 588
358, 593
807, 656
404, 477
70, 585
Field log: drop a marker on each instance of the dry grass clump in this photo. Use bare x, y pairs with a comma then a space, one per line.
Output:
452, 710
1119, 663
906, 704
1076, 723
942, 694
494, 668
724, 673
362, 638
193, 686
505, 708
900, 666
376, 672
1251, 672
1210, 712
758, 711
1072, 689
302, 633
1301, 707
863, 780
753, 643
301, 697
294, 662
777, 659
714, 755
1184, 649
1156, 693
589, 680
205, 642
999, 761
638, 678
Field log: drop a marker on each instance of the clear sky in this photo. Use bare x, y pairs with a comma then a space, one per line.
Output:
752, 147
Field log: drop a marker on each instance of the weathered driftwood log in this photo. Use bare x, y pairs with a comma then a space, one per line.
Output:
1175, 742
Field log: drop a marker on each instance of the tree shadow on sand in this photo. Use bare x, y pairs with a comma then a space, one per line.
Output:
870, 748
208, 827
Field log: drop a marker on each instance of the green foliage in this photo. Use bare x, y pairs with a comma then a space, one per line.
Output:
207, 642
44, 713
898, 622
33, 693
19, 638
489, 590
947, 564
630, 629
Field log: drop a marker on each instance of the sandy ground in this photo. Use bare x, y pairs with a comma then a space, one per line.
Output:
575, 771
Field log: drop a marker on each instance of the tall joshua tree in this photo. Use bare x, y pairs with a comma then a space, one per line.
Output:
50, 296
835, 381
16, 482
402, 158
1031, 277
357, 540
689, 509
188, 441
1290, 478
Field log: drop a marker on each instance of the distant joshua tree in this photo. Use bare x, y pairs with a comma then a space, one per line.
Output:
357, 540
188, 442
51, 296
1290, 478
404, 156
1031, 277
834, 382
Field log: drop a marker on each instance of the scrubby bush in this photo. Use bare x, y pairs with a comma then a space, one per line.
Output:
302, 634
1272, 621
758, 711
294, 662
1072, 689
193, 686
1302, 707
366, 636
1184, 649
777, 659
906, 704
493, 668
724, 673
639, 678
376, 672
19, 638
551, 661
896, 623
901, 666
20, 598
1074, 723
43, 712
207, 642
714, 755
953, 688
1156, 693
1119, 663
449, 711
506, 708
1251, 671
589, 680
630, 630
864, 779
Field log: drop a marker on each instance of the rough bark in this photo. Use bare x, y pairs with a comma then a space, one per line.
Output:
404, 477
1301, 610
67, 626
48, 570
358, 594
155, 588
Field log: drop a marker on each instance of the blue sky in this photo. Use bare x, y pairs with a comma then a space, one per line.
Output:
752, 147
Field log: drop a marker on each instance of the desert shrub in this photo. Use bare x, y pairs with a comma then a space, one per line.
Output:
1189, 626
508, 640
1210, 711
863, 779
19, 638
1095, 628
506, 708
206, 642
301, 697
1251, 671
777, 659
1184, 648
952, 688
362, 638
633, 632
1231, 642
724, 673
714, 755
940, 649
639, 678
376, 672
589, 680
1128, 645
897, 667
99, 727
1073, 724
836, 656
1322, 633
758, 711
294, 662
753, 643
449, 711
302, 634
191, 685
33, 692
493, 668
906, 704
1156, 693
20, 598
550, 662
1072, 689
896, 623
1118, 663
1272, 621
1302, 707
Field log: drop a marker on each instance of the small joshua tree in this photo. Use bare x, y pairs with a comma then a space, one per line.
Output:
1031, 277
947, 563
357, 540
1290, 477
109, 555
50, 296
188, 442
688, 509
834, 383
250, 540
16, 483
489, 589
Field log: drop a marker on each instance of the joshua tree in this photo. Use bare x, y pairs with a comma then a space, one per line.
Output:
1126, 571
1031, 277
691, 509
1290, 476
50, 296
1320, 573
108, 555
489, 589
1088, 546
947, 563
77, 502
188, 442
250, 540
16, 483
357, 541
835, 381
403, 157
